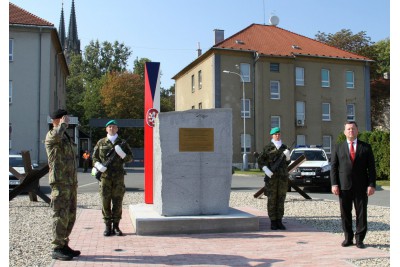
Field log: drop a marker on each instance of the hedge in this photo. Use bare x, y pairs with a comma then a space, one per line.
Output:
380, 143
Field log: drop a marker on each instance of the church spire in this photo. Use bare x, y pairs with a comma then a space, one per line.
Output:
73, 43
61, 28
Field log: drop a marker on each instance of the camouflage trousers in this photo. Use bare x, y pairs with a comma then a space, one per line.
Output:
63, 203
275, 190
112, 190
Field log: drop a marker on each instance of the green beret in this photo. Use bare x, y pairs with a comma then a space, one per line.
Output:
111, 122
275, 130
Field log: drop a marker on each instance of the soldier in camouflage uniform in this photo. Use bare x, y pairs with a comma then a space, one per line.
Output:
276, 180
61, 152
112, 186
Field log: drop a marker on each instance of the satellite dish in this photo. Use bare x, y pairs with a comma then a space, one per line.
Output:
274, 20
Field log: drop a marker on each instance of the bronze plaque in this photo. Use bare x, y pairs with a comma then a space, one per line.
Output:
196, 139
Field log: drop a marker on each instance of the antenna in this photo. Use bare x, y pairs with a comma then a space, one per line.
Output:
264, 10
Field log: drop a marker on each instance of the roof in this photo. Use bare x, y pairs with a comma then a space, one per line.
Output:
18, 15
271, 40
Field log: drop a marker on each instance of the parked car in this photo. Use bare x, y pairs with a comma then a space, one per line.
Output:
315, 171
15, 161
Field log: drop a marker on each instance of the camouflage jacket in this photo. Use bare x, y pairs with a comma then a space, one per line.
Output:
269, 155
116, 167
61, 153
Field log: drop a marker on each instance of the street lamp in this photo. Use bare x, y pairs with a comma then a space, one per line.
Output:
244, 165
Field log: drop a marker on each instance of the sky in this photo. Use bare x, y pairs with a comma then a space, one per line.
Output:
170, 32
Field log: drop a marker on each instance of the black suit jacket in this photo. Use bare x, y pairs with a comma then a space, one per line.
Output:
357, 176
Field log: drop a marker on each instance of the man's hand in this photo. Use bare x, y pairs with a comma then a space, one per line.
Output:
335, 190
287, 154
370, 191
267, 171
120, 152
65, 119
100, 167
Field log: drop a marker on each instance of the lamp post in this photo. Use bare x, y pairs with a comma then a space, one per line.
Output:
244, 165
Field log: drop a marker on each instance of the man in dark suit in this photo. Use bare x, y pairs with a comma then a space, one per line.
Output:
353, 177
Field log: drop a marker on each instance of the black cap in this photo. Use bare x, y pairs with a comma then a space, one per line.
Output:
58, 114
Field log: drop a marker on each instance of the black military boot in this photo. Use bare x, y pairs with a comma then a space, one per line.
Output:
116, 229
60, 254
280, 224
107, 231
71, 252
274, 225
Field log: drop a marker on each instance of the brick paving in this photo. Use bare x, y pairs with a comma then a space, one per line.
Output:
300, 245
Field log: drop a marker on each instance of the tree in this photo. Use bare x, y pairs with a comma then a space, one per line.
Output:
358, 43
122, 96
100, 59
75, 87
380, 104
382, 56
167, 99
138, 66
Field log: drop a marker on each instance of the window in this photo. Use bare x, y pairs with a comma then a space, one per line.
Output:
349, 79
192, 83
301, 140
299, 76
245, 112
327, 143
275, 89
200, 79
275, 121
11, 49
326, 111
192, 107
200, 105
300, 113
274, 67
10, 91
245, 72
351, 112
248, 143
325, 82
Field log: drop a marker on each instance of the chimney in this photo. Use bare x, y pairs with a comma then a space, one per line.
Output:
218, 36
198, 49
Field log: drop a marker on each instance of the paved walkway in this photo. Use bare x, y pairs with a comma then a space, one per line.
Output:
300, 245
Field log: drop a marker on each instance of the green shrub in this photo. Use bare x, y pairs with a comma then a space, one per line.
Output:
380, 143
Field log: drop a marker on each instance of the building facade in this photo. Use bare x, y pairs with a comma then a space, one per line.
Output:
37, 80
305, 87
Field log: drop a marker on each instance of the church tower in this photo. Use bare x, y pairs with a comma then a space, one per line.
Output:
71, 43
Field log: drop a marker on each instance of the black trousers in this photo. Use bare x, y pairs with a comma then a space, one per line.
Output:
360, 200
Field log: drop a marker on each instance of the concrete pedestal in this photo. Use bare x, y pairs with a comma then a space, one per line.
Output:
147, 221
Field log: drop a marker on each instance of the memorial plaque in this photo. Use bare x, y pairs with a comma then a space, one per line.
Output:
196, 139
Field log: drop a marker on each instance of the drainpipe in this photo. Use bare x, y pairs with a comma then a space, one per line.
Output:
256, 58
39, 92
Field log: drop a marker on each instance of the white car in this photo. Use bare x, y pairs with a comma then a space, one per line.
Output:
315, 171
15, 161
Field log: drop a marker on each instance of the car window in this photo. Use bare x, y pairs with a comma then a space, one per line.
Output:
315, 156
311, 155
16, 162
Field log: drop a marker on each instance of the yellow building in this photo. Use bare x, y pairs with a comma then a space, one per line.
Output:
305, 87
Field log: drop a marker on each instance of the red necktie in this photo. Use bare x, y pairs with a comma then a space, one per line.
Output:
352, 153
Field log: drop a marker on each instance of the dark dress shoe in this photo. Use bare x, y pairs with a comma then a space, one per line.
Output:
347, 243
360, 244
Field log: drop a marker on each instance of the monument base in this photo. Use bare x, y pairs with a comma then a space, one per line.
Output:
146, 221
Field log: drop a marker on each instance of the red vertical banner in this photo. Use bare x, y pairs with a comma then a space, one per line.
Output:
151, 109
